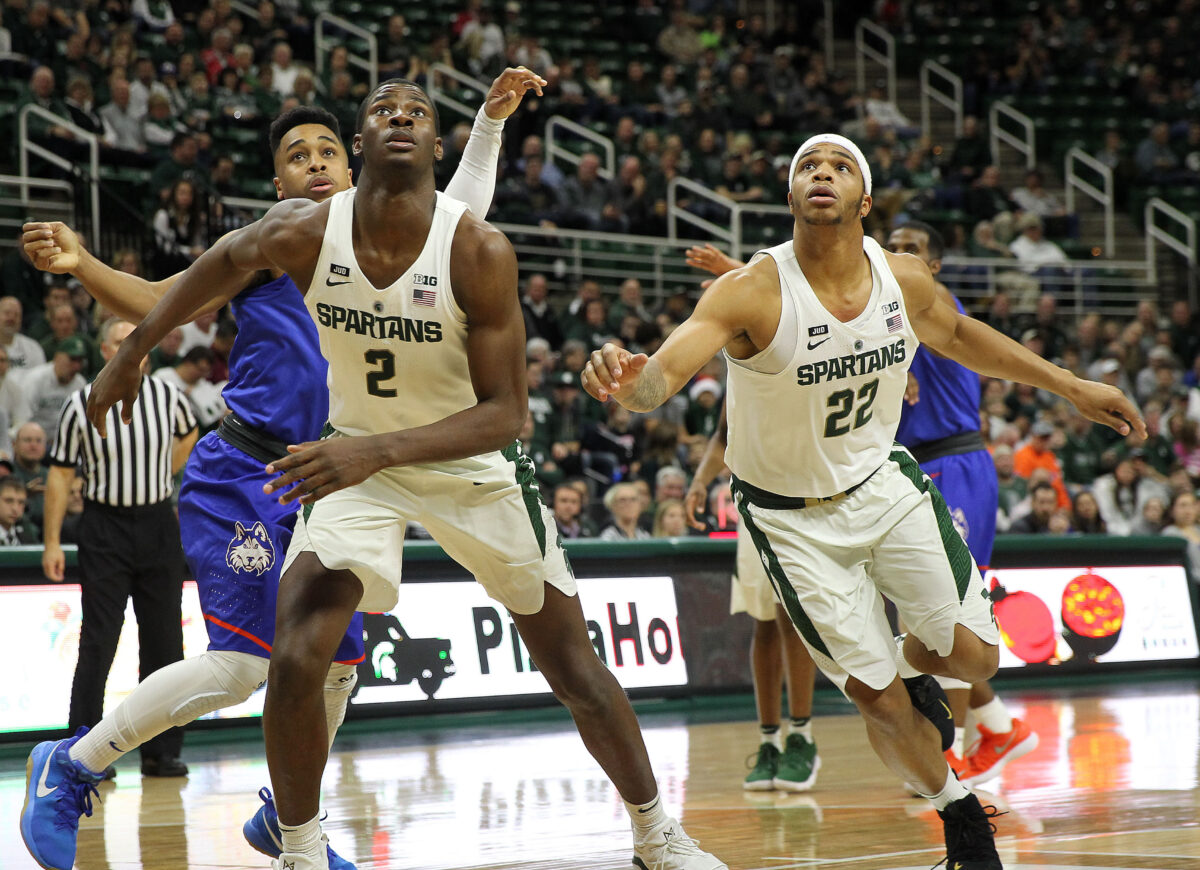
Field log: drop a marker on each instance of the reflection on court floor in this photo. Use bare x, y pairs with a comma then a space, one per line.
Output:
1113, 783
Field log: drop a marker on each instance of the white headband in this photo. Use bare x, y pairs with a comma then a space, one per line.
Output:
841, 142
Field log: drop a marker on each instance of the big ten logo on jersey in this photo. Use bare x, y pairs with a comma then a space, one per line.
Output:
425, 280
894, 305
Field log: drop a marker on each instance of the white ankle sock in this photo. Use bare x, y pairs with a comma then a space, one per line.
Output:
959, 735
953, 790
647, 817
772, 734
994, 716
303, 839
804, 729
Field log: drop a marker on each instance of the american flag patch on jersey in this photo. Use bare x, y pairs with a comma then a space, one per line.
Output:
894, 323
424, 296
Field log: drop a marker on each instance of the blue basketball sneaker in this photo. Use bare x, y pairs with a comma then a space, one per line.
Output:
57, 792
263, 834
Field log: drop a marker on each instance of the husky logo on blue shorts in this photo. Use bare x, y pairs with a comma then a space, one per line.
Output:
250, 550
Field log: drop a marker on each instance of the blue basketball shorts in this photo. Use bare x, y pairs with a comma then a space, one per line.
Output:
235, 538
968, 483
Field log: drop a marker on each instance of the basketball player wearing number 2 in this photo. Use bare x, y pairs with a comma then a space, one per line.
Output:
820, 332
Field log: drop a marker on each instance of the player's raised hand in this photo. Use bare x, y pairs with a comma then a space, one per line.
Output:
1102, 403
912, 390
51, 246
318, 468
119, 381
711, 260
611, 370
507, 91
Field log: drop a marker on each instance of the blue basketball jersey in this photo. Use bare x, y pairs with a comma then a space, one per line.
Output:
948, 403
277, 376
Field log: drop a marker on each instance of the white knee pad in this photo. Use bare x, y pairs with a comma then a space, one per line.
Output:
219, 679
339, 685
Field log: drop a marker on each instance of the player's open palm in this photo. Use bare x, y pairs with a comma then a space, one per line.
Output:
51, 246
611, 371
1102, 403
314, 469
711, 259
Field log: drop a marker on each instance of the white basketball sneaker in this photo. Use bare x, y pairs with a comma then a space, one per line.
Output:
670, 848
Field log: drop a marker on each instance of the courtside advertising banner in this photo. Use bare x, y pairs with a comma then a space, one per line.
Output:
1085, 616
444, 640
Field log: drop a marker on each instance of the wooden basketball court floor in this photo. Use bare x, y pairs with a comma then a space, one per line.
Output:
1114, 784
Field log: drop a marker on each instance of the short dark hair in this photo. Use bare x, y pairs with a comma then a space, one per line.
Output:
297, 117
11, 482
198, 354
1040, 485
936, 244
399, 80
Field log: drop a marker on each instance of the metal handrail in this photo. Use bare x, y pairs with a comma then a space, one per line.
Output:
26, 145
607, 169
434, 89
1103, 195
863, 52
1026, 145
952, 101
730, 235
370, 63
1185, 248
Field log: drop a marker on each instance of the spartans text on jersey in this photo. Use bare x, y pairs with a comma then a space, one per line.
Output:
378, 326
850, 365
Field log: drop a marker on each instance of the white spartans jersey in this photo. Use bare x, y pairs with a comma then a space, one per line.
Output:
397, 355
815, 412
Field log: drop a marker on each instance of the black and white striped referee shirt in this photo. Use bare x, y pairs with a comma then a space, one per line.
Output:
132, 466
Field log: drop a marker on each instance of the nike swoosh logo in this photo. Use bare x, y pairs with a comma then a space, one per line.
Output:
115, 747
813, 345
1003, 749
42, 791
949, 715
651, 807
329, 282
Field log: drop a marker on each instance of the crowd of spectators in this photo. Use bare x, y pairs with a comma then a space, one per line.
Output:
708, 100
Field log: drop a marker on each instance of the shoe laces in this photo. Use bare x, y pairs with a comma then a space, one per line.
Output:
75, 800
676, 843
766, 754
971, 836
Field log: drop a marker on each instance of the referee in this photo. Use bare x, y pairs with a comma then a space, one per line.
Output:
128, 539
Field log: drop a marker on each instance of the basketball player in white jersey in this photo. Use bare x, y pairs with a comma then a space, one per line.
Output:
415, 302
819, 332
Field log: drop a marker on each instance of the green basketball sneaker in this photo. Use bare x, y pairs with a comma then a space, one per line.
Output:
798, 765
762, 776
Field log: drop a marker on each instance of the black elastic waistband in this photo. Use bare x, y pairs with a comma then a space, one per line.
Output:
968, 442
773, 501
253, 442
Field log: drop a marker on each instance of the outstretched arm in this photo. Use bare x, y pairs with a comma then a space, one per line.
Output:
484, 275
474, 181
739, 303
54, 247
288, 238
988, 352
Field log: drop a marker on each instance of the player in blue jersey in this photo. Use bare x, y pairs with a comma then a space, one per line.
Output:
235, 536
940, 427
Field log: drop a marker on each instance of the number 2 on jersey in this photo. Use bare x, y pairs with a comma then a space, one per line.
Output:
386, 360
842, 403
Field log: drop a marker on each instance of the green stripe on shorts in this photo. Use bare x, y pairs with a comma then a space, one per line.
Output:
529, 491
326, 431
954, 546
779, 580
